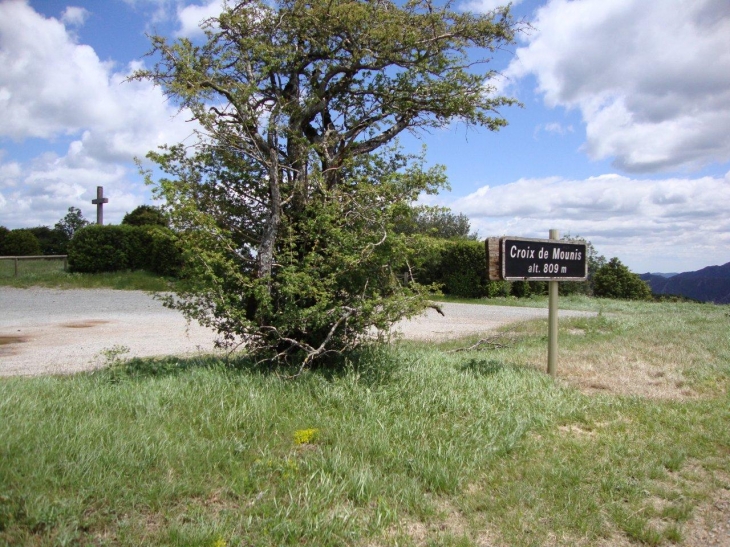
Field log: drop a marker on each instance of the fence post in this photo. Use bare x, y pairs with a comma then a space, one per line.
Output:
16, 266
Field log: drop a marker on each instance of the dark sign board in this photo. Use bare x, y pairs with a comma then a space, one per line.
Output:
542, 260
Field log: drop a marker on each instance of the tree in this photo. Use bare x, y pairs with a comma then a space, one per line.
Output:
21, 242
3, 234
71, 223
52, 242
146, 215
287, 202
595, 262
438, 222
614, 280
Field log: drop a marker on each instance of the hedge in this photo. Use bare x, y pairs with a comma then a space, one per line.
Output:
111, 248
459, 267
21, 242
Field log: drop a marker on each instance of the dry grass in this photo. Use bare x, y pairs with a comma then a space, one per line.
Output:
626, 371
659, 351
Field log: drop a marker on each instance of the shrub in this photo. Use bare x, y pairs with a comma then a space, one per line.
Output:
97, 248
459, 266
164, 254
521, 289
146, 215
21, 243
499, 288
52, 242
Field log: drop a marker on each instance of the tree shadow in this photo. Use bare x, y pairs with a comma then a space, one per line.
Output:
483, 367
372, 365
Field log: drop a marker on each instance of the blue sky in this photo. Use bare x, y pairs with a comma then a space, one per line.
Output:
624, 137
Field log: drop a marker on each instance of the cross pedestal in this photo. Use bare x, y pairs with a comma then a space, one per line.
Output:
99, 202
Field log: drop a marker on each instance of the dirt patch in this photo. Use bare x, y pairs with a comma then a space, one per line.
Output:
9, 344
84, 324
6, 340
710, 523
625, 374
448, 525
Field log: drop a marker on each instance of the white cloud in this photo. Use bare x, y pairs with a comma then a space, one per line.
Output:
485, 6
554, 128
557, 128
652, 82
191, 17
41, 192
161, 10
651, 225
74, 16
52, 87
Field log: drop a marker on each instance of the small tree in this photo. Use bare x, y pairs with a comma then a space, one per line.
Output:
146, 215
71, 223
286, 206
595, 262
438, 222
614, 280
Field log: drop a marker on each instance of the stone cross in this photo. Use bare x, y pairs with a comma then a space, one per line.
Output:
99, 202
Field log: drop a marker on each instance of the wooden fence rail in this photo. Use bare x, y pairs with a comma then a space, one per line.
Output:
16, 259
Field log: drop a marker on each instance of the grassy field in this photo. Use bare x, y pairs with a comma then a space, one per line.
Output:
413, 444
50, 274
30, 267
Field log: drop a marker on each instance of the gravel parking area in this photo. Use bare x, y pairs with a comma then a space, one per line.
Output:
46, 331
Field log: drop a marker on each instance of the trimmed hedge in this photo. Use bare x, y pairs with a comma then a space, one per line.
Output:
111, 248
459, 266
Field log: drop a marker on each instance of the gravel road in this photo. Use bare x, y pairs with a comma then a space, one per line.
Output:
46, 331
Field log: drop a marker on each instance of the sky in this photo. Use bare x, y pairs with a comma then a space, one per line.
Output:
623, 137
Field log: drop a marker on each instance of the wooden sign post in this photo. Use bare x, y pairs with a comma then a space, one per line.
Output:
551, 260
553, 318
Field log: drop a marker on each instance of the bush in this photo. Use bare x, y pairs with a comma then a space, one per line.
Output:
146, 215
21, 243
97, 248
521, 289
614, 280
459, 266
163, 251
52, 242
499, 288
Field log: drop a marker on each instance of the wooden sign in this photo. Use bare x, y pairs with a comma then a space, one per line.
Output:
522, 259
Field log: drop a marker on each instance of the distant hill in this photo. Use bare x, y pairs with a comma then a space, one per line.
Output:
711, 284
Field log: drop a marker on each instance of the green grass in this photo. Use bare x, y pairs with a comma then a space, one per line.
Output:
413, 446
33, 267
48, 274
571, 302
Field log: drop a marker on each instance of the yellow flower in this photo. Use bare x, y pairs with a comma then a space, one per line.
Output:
220, 542
305, 436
